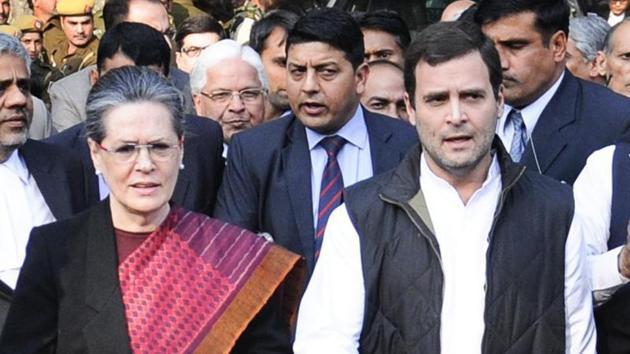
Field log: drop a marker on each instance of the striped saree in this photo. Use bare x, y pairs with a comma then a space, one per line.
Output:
195, 284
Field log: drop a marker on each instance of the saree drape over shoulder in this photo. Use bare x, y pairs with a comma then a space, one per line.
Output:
195, 284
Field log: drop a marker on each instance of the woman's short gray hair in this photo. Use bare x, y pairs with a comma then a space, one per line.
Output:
589, 34
130, 84
218, 52
13, 46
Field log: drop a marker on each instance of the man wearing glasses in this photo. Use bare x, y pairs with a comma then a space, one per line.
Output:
229, 84
196, 34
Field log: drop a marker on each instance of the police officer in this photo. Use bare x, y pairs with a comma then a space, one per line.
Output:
42, 73
79, 49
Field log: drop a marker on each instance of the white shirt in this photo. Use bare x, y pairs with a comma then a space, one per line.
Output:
331, 313
593, 196
22, 207
615, 19
530, 114
354, 158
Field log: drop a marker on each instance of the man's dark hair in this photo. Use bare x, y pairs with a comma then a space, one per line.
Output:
551, 15
263, 28
222, 10
116, 11
198, 24
331, 26
445, 41
144, 45
385, 21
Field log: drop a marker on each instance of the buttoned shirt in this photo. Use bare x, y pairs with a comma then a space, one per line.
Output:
354, 158
593, 197
331, 313
530, 114
22, 207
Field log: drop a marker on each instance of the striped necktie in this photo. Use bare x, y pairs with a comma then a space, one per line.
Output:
519, 138
331, 191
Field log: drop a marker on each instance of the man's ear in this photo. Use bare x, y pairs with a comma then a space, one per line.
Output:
558, 43
500, 102
178, 59
361, 75
94, 76
600, 64
411, 111
198, 106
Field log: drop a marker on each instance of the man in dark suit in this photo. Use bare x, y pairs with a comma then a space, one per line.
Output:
197, 184
39, 183
285, 177
552, 121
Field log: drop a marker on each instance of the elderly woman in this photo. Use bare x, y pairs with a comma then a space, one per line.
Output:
135, 273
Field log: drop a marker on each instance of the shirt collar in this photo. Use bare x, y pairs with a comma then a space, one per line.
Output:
532, 111
354, 131
17, 166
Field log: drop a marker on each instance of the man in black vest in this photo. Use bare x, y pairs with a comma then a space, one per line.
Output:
458, 249
602, 198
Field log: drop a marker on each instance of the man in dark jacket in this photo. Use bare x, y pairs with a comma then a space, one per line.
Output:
458, 249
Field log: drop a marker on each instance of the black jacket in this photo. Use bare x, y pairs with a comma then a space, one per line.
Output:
524, 306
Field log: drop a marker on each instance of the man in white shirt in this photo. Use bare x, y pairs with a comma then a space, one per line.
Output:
602, 199
553, 121
457, 250
39, 183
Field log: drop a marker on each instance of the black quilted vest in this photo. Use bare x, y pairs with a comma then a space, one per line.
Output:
524, 306
613, 317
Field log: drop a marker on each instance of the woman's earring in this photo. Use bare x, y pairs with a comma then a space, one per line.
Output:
181, 166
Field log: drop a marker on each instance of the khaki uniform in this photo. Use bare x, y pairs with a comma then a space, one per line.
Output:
69, 64
53, 35
182, 9
241, 24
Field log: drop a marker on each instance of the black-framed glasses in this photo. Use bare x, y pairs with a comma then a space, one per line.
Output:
249, 95
193, 51
127, 153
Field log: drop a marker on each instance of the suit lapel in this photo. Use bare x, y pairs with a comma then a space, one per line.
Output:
49, 177
296, 160
383, 156
547, 139
107, 330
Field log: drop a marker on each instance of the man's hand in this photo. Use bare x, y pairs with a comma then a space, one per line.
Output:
624, 256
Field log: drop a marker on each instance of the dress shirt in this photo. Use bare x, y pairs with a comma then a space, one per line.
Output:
354, 158
593, 196
22, 207
530, 114
331, 313
615, 19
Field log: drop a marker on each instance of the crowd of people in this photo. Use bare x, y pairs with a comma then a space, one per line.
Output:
263, 176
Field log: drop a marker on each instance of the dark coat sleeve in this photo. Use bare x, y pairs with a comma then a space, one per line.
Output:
31, 325
268, 333
238, 197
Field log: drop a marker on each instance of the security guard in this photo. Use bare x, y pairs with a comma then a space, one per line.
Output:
79, 49
42, 73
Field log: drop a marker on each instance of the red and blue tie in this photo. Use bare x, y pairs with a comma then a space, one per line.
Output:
331, 192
